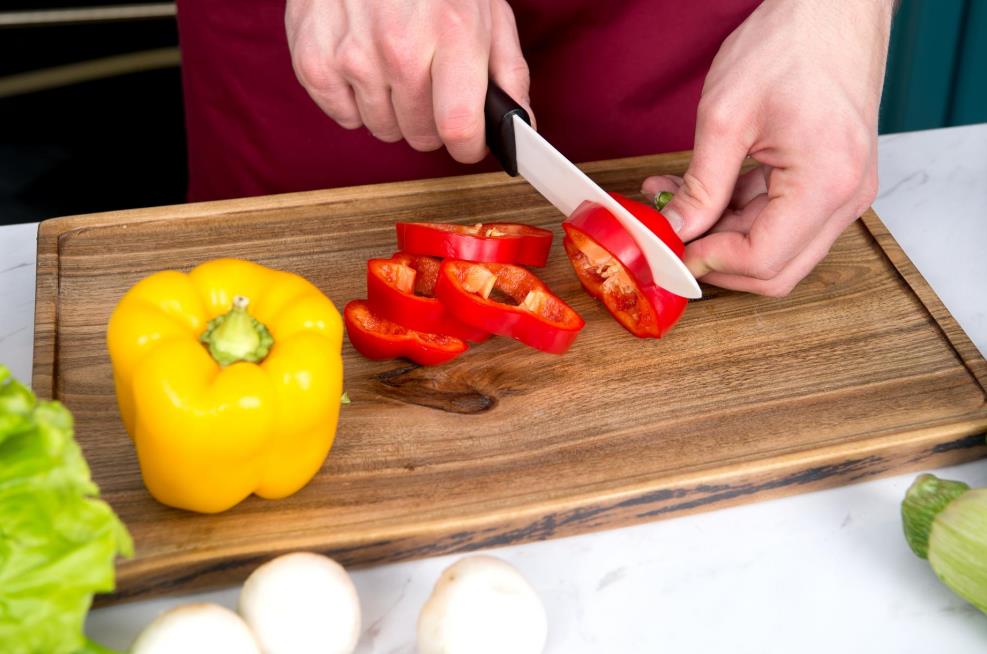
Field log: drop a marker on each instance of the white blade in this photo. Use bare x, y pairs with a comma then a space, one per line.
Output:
567, 187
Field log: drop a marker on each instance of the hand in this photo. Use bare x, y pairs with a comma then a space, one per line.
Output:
797, 88
411, 70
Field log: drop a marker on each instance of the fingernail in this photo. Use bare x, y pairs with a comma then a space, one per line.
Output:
673, 218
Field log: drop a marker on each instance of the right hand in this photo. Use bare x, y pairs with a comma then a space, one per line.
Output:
408, 70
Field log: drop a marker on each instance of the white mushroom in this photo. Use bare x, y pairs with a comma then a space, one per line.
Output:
196, 629
482, 605
302, 603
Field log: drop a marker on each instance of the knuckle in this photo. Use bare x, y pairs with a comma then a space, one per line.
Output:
399, 55
388, 136
779, 288
868, 194
458, 125
694, 191
858, 143
353, 62
850, 173
715, 118
313, 71
456, 19
348, 121
842, 182
346, 116
518, 72
424, 143
766, 267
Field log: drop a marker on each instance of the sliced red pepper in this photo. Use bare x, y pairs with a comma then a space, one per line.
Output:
600, 224
402, 290
528, 312
488, 242
612, 268
378, 338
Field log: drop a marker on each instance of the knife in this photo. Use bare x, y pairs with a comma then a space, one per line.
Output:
520, 149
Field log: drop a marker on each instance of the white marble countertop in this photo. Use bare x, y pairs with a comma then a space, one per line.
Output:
822, 572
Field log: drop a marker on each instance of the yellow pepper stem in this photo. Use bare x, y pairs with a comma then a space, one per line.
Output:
237, 336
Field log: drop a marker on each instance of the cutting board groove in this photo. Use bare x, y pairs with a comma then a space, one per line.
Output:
860, 372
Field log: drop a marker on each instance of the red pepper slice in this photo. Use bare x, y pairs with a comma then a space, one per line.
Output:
599, 223
488, 242
529, 312
378, 338
612, 268
402, 290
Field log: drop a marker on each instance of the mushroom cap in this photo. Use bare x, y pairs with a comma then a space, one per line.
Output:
302, 603
196, 629
482, 605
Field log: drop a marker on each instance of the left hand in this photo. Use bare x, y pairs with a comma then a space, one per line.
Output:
797, 88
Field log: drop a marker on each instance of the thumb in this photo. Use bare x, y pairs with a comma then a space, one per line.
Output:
507, 65
708, 183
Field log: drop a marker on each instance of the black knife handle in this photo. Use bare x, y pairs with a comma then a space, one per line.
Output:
499, 110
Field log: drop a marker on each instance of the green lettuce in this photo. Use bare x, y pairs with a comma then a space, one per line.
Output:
58, 541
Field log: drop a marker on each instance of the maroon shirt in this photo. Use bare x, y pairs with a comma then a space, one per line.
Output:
609, 79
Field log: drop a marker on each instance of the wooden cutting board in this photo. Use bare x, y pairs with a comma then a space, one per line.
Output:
860, 372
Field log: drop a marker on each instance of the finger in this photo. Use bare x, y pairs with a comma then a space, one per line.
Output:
796, 270
652, 186
327, 87
339, 103
785, 227
507, 65
311, 42
412, 102
741, 220
749, 185
707, 186
459, 84
377, 112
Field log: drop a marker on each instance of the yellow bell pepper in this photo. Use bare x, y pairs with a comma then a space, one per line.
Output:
228, 380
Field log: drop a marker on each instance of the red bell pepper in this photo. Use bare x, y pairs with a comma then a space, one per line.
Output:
490, 242
378, 338
612, 268
599, 223
529, 312
402, 290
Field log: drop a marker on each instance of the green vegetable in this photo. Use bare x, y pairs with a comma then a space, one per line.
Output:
946, 522
57, 540
662, 199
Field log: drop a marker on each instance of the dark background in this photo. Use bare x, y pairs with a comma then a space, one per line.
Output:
119, 142
106, 144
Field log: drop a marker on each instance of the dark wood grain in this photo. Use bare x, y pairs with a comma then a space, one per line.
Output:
860, 372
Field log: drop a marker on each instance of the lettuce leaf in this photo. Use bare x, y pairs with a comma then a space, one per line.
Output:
58, 541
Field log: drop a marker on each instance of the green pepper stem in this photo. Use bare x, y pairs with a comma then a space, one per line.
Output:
926, 497
237, 336
662, 199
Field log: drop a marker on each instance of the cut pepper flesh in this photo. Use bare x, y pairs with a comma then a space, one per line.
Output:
528, 312
402, 288
608, 232
613, 269
378, 338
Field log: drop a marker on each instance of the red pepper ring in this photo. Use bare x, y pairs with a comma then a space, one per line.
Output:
488, 242
402, 288
530, 313
646, 311
378, 338
601, 225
